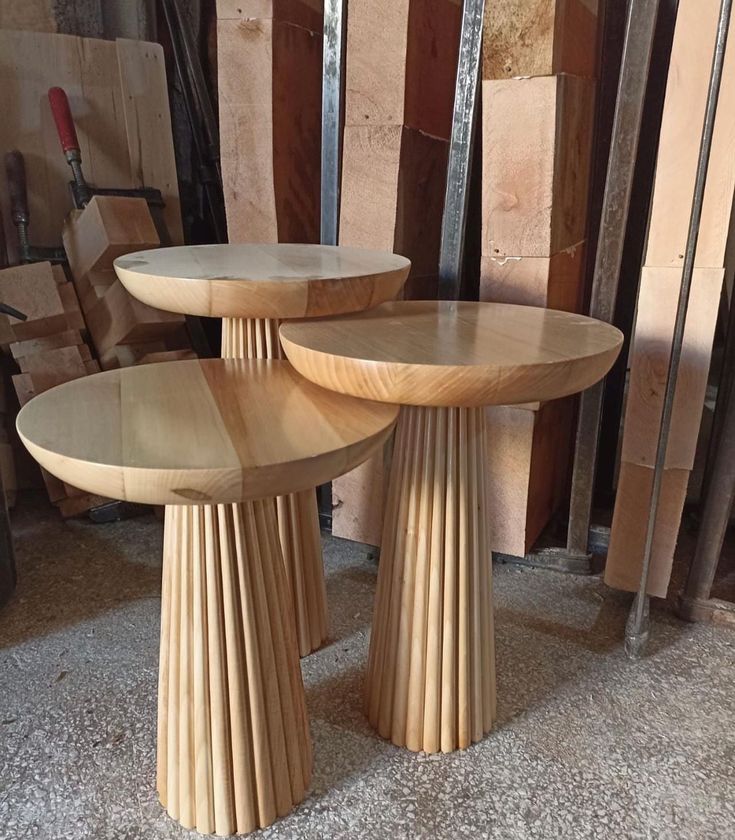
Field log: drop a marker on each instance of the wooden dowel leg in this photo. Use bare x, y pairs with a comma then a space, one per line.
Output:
431, 668
298, 515
234, 748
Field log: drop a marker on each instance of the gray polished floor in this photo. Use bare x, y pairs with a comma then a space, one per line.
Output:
588, 745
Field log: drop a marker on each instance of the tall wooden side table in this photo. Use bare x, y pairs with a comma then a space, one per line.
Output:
431, 669
252, 288
210, 439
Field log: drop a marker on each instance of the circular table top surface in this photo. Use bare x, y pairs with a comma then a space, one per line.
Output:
448, 353
262, 281
208, 431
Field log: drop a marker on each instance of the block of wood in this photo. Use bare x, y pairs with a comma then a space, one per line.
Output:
119, 318
108, 227
68, 338
555, 282
537, 141
33, 290
269, 58
53, 367
539, 38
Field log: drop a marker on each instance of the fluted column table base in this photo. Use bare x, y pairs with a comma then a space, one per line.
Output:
234, 751
431, 670
298, 515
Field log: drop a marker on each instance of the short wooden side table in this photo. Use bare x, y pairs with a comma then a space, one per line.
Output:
210, 439
431, 670
252, 288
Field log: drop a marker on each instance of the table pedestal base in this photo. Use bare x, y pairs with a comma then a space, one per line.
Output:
431, 669
298, 515
234, 751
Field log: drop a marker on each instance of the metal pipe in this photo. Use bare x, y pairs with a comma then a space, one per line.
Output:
635, 63
637, 627
332, 64
454, 217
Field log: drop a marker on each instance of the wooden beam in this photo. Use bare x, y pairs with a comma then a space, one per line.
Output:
269, 58
681, 128
539, 38
537, 140
401, 67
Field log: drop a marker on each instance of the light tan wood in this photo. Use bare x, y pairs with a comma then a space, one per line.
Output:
68, 338
431, 668
401, 65
539, 38
553, 282
146, 112
253, 428
537, 140
269, 66
628, 532
118, 318
298, 516
262, 281
681, 127
431, 672
116, 151
108, 227
649, 361
234, 751
529, 464
32, 289
453, 353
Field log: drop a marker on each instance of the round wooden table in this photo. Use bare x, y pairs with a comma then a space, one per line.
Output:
210, 439
252, 287
431, 669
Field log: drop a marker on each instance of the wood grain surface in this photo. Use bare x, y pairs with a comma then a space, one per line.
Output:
262, 281
205, 431
444, 353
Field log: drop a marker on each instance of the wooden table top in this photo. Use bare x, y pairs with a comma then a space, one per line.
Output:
445, 353
262, 281
209, 431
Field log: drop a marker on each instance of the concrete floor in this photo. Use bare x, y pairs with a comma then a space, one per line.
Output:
588, 745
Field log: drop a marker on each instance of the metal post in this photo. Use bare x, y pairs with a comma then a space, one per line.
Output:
332, 63
454, 217
637, 627
638, 45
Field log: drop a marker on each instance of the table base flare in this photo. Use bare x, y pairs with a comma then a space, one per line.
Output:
298, 515
431, 669
234, 751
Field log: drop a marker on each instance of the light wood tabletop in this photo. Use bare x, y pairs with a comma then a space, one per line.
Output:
446, 353
208, 431
262, 281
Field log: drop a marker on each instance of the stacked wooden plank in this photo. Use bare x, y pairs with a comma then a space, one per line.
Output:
124, 330
681, 130
269, 57
49, 348
538, 93
400, 74
119, 100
